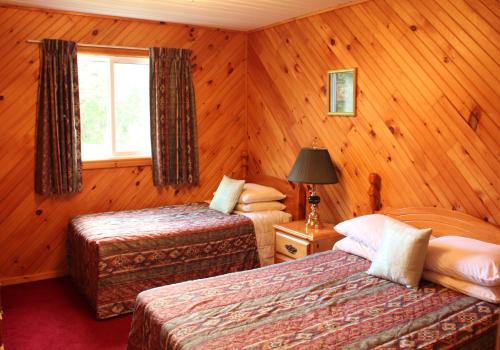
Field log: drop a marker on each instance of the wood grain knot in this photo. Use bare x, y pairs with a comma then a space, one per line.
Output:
474, 117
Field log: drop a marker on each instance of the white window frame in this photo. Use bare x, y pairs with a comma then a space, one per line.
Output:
116, 155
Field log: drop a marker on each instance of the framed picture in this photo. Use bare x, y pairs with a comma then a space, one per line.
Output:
342, 92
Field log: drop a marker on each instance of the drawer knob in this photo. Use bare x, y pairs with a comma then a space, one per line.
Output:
291, 249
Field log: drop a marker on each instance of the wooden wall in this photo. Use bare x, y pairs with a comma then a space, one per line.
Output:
428, 117
32, 228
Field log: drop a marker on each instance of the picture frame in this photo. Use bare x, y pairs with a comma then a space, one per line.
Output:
342, 92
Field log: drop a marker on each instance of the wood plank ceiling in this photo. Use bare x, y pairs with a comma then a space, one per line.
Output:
229, 14
428, 118
32, 235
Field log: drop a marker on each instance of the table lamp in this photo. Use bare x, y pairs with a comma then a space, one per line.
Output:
313, 166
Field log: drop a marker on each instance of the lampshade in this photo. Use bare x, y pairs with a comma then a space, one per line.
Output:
313, 166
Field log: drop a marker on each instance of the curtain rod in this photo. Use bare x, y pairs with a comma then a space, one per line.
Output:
99, 46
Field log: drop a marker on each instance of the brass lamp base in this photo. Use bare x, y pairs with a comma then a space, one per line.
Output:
313, 221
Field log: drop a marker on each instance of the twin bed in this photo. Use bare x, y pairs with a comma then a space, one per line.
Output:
324, 301
114, 256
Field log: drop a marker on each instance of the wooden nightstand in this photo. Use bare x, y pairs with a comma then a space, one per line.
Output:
293, 241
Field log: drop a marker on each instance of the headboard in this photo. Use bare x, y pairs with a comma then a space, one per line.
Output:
295, 200
447, 222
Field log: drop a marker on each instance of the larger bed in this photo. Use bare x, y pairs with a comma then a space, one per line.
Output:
325, 301
114, 256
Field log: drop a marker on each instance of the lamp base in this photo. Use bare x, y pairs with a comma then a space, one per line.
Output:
313, 221
313, 218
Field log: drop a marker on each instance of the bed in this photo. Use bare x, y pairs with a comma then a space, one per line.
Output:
114, 256
324, 301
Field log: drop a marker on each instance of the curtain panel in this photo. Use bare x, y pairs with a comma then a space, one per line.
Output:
58, 155
174, 144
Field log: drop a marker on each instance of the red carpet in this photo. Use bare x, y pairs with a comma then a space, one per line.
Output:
52, 315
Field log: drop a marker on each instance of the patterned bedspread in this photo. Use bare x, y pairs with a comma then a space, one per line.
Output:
114, 256
325, 301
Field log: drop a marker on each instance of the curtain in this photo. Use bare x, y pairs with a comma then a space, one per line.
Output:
174, 144
58, 157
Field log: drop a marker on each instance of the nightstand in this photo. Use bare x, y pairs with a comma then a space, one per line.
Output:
293, 241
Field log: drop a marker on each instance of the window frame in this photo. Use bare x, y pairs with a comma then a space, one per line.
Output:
117, 159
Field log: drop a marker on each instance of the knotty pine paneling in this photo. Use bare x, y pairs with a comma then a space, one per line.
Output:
428, 103
32, 234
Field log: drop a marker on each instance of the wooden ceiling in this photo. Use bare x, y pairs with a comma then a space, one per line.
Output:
229, 14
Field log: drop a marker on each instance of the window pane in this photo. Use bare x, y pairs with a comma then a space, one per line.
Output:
131, 85
93, 76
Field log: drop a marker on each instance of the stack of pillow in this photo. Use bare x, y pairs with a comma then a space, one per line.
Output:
404, 254
245, 197
256, 197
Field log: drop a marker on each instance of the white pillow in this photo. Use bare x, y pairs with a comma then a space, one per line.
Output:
466, 259
401, 255
367, 229
351, 246
260, 206
253, 193
490, 294
227, 194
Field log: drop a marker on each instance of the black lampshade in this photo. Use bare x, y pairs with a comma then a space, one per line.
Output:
313, 166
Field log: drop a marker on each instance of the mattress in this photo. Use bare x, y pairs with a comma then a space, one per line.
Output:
263, 222
324, 301
114, 256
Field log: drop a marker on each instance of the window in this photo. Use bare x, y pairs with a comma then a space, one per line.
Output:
114, 107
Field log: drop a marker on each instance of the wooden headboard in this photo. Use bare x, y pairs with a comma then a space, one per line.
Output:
295, 200
445, 222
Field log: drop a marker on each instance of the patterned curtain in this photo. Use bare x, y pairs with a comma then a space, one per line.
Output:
58, 157
174, 142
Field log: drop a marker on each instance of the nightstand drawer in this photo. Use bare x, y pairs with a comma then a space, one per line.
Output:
291, 246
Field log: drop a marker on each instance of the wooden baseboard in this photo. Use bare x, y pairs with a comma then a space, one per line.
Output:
5, 281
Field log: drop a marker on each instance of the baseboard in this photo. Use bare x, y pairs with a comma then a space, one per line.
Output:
5, 281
